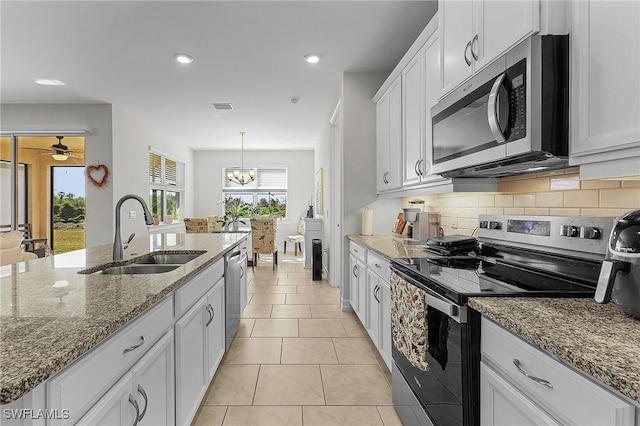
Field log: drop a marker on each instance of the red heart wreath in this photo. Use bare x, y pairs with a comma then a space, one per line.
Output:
94, 174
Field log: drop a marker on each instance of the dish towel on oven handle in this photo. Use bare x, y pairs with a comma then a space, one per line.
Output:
408, 322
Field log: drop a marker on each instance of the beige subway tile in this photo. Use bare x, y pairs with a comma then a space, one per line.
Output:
471, 201
550, 199
495, 211
621, 198
600, 212
600, 184
486, 201
536, 185
536, 211
524, 200
449, 231
631, 183
513, 210
451, 221
588, 198
504, 200
564, 212
508, 178
565, 182
512, 186
467, 213
467, 223
571, 171
474, 213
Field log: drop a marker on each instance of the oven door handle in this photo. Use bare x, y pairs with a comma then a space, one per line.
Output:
453, 311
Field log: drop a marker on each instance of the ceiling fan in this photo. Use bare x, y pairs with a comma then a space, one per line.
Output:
60, 152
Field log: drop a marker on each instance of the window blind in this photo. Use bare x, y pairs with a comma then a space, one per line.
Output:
166, 172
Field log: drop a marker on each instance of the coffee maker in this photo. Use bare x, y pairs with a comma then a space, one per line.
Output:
619, 279
422, 225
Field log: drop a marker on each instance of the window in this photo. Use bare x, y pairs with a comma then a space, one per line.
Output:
265, 196
166, 185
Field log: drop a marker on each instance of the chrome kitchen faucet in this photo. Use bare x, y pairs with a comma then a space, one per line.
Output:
118, 247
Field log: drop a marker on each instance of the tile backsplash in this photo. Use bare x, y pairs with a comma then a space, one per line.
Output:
557, 193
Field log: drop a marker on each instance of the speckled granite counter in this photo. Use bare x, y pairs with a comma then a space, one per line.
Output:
44, 328
389, 245
596, 339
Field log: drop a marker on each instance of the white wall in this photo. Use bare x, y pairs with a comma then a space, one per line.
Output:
99, 202
300, 173
131, 140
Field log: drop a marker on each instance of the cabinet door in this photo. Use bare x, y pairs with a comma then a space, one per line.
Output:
412, 137
191, 353
117, 407
373, 308
243, 283
384, 345
502, 405
431, 65
604, 72
215, 328
500, 25
455, 20
353, 283
153, 384
362, 292
394, 178
382, 142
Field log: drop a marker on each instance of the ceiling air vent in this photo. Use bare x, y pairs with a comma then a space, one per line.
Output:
222, 106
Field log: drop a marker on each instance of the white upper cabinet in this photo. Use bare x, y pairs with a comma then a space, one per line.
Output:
389, 138
475, 32
605, 89
413, 126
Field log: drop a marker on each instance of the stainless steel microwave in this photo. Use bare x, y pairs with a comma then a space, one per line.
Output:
510, 118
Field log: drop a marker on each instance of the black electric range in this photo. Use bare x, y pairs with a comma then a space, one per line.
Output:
521, 256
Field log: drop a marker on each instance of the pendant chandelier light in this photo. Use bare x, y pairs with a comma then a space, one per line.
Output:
238, 176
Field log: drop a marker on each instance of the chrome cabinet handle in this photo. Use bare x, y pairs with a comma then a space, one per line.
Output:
415, 168
420, 167
466, 48
134, 347
241, 272
355, 269
211, 314
133, 402
474, 41
375, 293
146, 402
492, 110
543, 382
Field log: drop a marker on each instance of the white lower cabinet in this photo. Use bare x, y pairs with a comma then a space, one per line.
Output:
522, 385
199, 349
143, 396
373, 307
378, 301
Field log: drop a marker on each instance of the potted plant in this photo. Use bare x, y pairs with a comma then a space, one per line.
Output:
234, 210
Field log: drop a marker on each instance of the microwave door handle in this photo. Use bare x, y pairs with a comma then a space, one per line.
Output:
492, 109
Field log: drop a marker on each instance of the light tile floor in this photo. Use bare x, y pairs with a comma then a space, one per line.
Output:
298, 359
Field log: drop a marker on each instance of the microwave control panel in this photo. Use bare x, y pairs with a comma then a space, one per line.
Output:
518, 100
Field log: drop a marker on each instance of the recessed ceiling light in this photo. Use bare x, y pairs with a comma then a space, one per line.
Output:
312, 58
183, 58
49, 82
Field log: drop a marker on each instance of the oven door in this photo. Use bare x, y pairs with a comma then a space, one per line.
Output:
444, 390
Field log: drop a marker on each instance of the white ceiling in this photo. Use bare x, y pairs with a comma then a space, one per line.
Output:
249, 53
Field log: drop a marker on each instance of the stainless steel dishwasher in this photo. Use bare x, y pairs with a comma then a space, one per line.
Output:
235, 290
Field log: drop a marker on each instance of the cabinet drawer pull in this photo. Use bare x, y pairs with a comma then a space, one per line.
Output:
474, 42
543, 382
211, 314
134, 347
378, 266
466, 48
146, 402
133, 402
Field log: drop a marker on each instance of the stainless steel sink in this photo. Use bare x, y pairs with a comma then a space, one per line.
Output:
151, 263
168, 258
136, 268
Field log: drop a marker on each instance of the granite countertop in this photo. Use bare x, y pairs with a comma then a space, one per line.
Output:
390, 245
597, 339
50, 314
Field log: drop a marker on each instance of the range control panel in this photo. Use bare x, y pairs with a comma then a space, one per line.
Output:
583, 234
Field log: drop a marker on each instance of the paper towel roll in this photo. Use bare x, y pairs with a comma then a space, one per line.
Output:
367, 222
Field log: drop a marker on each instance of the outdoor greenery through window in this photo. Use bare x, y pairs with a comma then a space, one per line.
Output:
265, 196
166, 186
